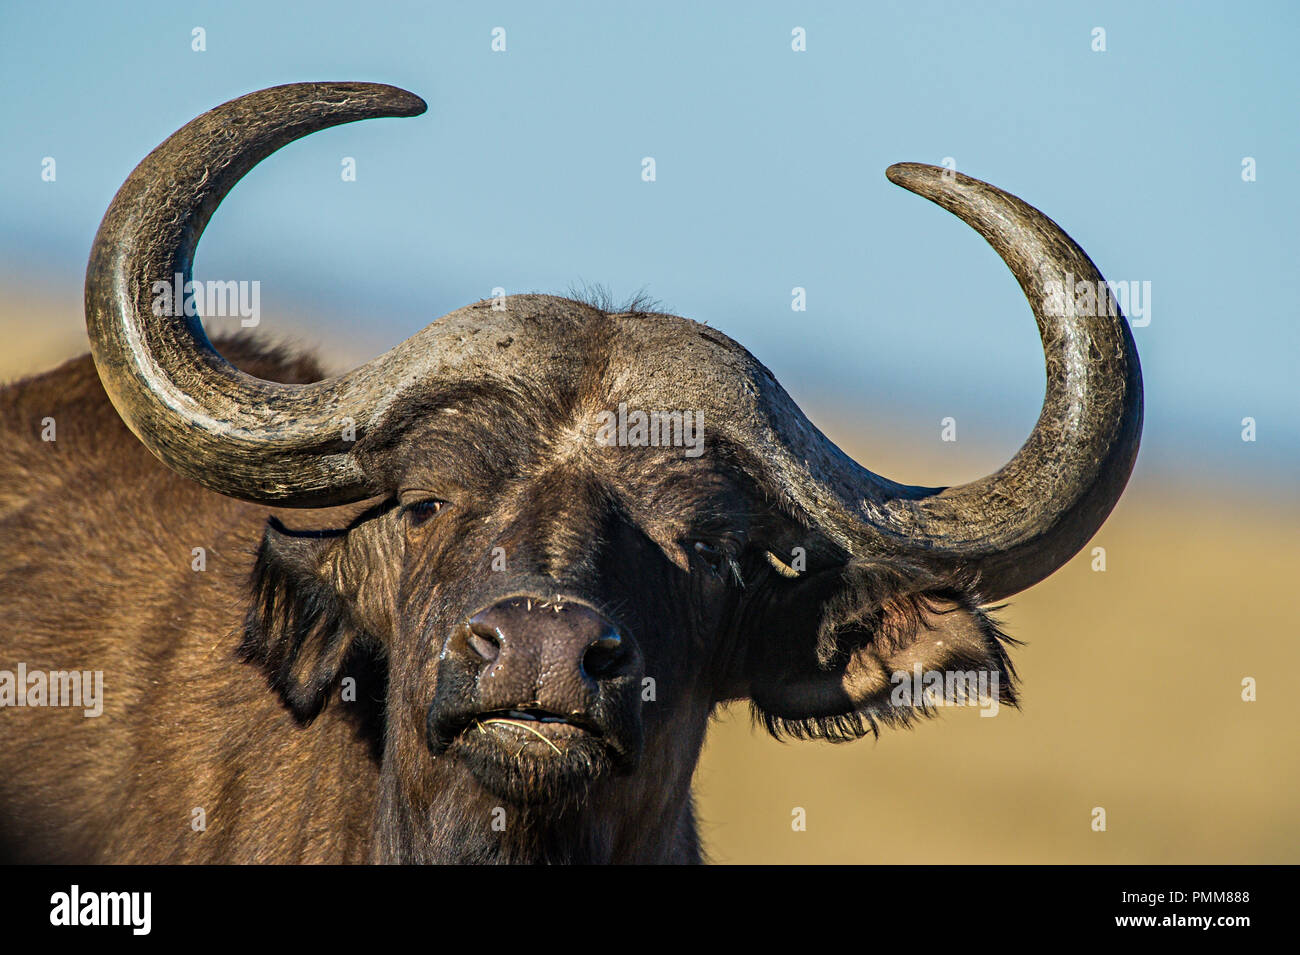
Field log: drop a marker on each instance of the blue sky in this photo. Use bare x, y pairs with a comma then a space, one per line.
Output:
770, 164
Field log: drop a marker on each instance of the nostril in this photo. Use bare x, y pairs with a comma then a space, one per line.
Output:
484, 640
603, 657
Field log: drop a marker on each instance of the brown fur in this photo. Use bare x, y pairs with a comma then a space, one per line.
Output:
223, 686
97, 566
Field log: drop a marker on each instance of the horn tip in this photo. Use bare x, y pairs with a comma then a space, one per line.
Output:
379, 99
396, 101
406, 103
910, 175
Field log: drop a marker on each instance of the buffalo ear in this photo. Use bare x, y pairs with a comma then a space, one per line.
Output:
873, 639
305, 618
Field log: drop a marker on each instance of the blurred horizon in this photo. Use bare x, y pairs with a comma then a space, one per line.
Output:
904, 447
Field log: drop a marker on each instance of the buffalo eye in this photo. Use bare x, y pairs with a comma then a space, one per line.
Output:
420, 511
713, 556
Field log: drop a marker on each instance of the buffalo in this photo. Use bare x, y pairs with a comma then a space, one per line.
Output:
476, 600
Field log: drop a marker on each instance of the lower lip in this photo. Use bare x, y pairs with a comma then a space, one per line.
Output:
534, 729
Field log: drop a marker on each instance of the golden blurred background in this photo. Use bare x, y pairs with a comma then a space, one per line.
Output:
1132, 683
1132, 686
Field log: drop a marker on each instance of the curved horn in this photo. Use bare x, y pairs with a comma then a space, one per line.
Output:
239, 435
1020, 524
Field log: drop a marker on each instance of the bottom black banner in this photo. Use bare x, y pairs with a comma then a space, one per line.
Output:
179, 904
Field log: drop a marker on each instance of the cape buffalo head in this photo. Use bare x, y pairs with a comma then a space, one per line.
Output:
587, 527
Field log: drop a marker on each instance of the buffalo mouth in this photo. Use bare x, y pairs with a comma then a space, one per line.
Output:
531, 755
528, 725
520, 730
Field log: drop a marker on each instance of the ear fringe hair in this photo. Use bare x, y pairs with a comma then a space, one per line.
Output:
889, 602
845, 728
